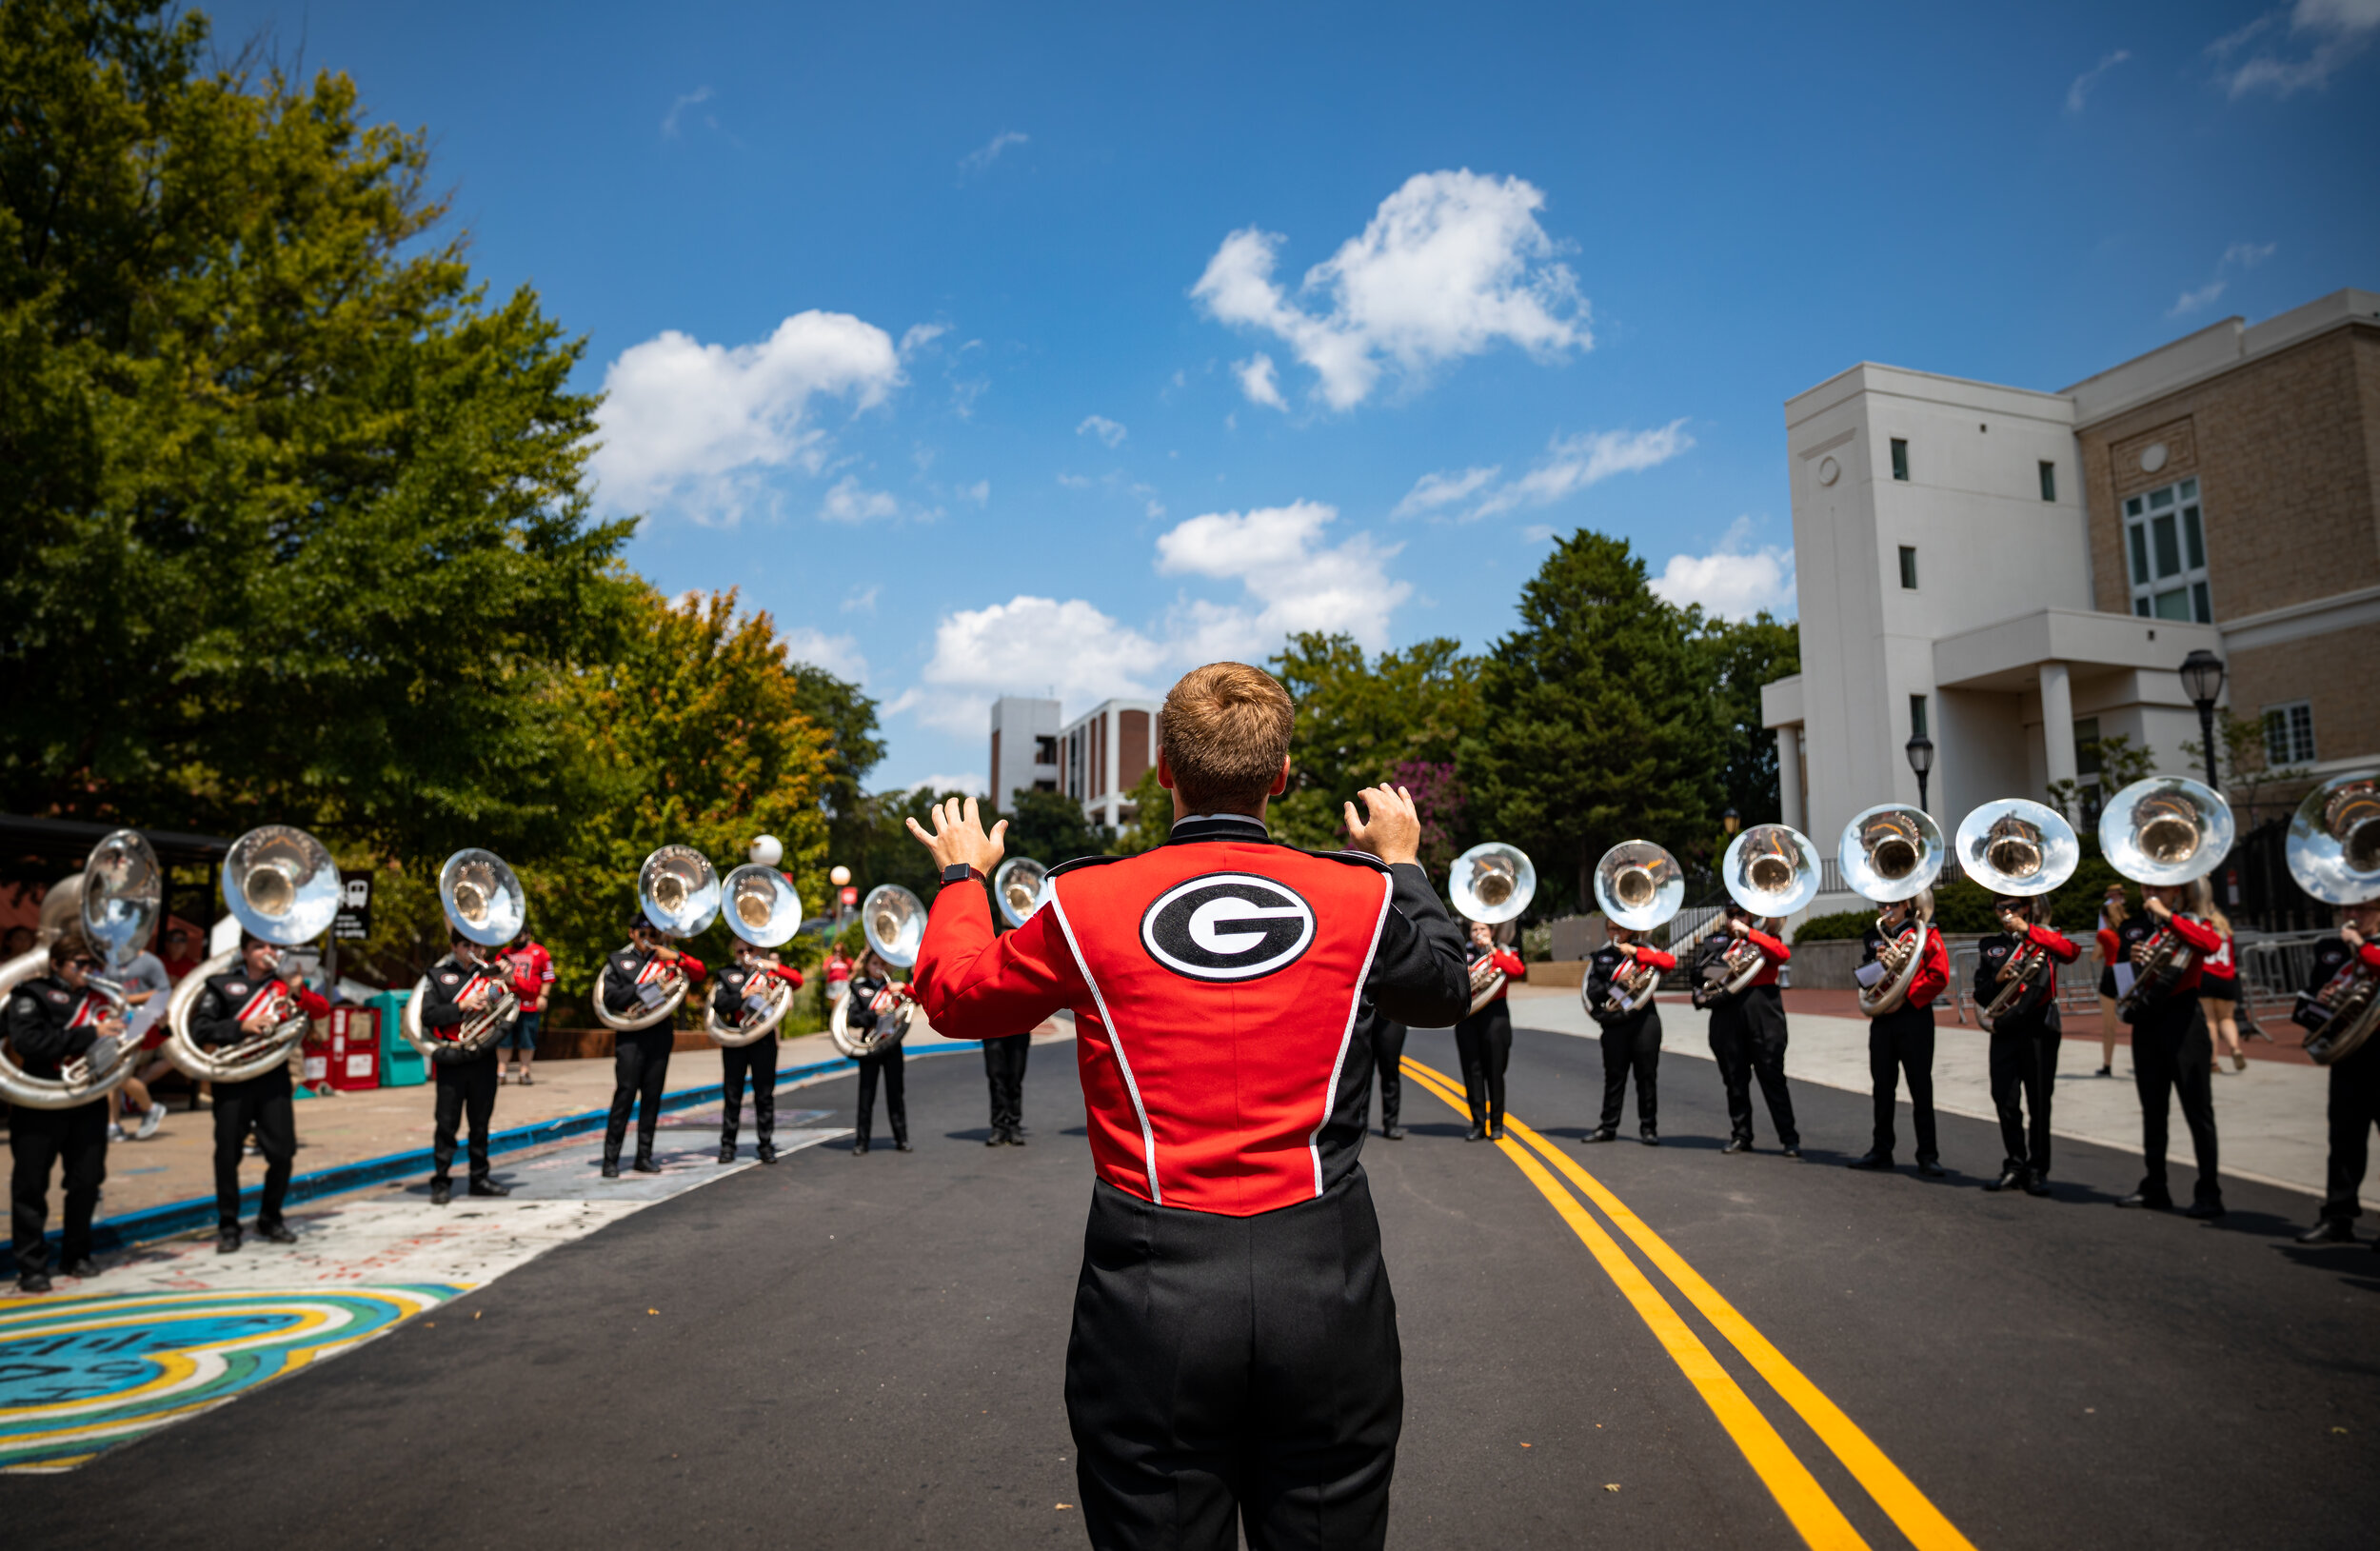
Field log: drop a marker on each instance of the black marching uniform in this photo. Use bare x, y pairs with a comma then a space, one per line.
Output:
639, 1059
1747, 1035
756, 1061
1383, 1038
1901, 1043
1003, 1073
2023, 1063
264, 1102
41, 1029
466, 1083
1483, 1045
885, 1064
2172, 1056
2355, 1103
1632, 1043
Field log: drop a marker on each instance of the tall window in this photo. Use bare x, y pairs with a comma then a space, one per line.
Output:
1908, 566
2049, 481
2165, 542
2289, 733
1045, 750
1900, 457
2087, 769
1917, 717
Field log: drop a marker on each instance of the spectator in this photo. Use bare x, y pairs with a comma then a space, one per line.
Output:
182, 953
2112, 916
837, 975
2218, 993
18, 942
145, 981
532, 971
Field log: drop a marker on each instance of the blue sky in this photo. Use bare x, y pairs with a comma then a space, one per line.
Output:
1063, 347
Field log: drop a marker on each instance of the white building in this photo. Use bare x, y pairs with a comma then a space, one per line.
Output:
1024, 748
1104, 753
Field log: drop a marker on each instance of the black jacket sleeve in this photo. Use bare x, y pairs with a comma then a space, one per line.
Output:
439, 1008
620, 985
211, 1021
37, 1028
1418, 976
728, 994
1599, 977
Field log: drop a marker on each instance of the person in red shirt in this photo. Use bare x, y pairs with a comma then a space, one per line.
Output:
2171, 1053
532, 973
1234, 1352
2113, 913
1902, 1040
1483, 1041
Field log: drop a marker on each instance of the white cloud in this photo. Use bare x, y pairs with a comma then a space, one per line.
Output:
862, 600
1028, 646
2083, 82
1277, 554
1733, 580
972, 783
1102, 427
2192, 301
838, 654
920, 334
670, 120
1570, 465
693, 426
1257, 381
2248, 255
2323, 36
2238, 257
980, 492
851, 501
1448, 266
984, 155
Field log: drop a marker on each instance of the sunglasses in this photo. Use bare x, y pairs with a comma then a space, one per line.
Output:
84, 964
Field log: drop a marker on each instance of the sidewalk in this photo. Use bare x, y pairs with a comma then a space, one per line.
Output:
2273, 1116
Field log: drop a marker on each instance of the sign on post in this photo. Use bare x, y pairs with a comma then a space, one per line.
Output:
354, 923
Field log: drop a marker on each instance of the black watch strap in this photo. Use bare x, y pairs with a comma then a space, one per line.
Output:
959, 872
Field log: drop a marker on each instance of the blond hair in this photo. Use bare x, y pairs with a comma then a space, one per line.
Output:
1225, 731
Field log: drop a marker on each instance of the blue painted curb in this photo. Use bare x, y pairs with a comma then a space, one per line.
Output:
179, 1217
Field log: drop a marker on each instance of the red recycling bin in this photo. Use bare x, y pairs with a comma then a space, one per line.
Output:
354, 1048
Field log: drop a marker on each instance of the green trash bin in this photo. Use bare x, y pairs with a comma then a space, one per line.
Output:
400, 1065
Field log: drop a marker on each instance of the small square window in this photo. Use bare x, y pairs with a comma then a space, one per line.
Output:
1900, 458
2190, 490
2131, 508
2159, 500
1908, 568
2049, 482
1917, 717
2289, 733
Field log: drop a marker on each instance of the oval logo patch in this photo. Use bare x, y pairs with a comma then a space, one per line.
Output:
1227, 925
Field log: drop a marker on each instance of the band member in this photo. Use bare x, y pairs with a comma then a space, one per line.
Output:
1234, 1352
2113, 912
54, 1019
1902, 1040
2354, 1084
2023, 1043
463, 983
1385, 1037
246, 1001
533, 969
1484, 1040
1632, 1040
1003, 1073
873, 994
1748, 1033
640, 1058
757, 1061
2171, 1053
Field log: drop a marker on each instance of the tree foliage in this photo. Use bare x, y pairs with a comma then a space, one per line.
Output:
1360, 720
1739, 658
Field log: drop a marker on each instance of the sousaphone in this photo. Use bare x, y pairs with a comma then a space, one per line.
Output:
116, 900
1490, 884
2024, 849
281, 884
1018, 884
893, 920
763, 910
2163, 831
678, 890
1772, 870
1889, 853
486, 905
1639, 886
2334, 852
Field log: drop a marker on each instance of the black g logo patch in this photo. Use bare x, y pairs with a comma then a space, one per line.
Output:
1227, 925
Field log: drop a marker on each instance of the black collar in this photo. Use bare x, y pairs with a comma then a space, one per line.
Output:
1206, 826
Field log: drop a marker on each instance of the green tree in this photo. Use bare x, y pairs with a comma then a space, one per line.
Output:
848, 717
1050, 827
1739, 658
1358, 721
1153, 817
293, 525
2255, 787
1598, 724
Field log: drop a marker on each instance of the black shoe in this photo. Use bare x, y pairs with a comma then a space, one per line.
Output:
2035, 1184
767, 1152
1650, 1137
1794, 1152
903, 1146
1496, 1133
858, 1148
1931, 1170
1603, 1133
1477, 1133
2147, 1203
2104, 1071
997, 1137
1016, 1136
277, 1233
1392, 1132
82, 1270
228, 1242
1871, 1161
2330, 1230
34, 1282
2011, 1178
441, 1192
726, 1152
2205, 1211
644, 1164
612, 1168
486, 1186
1737, 1143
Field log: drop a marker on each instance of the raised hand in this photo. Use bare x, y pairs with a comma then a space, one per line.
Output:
957, 836
1391, 830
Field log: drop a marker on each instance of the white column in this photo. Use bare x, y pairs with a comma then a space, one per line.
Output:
1789, 777
2057, 722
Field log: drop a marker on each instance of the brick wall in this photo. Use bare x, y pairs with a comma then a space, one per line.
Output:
2287, 452
2327, 670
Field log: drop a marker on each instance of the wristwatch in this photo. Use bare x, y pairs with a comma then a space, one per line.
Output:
959, 872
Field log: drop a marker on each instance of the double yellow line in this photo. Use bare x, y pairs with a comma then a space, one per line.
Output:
1798, 1492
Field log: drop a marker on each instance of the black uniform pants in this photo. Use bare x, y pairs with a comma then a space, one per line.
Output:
1903, 1042
2024, 1072
2355, 1110
757, 1061
885, 1064
640, 1070
1388, 1051
1003, 1073
264, 1105
1483, 1042
1748, 1041
1632, 1044
467, 1090
1235, 1367
2172, 1056
37, 1140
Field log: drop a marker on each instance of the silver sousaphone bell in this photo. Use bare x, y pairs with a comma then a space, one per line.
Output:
2334, 852
282, 885
893, 919
676, 889
1639, 886
2165, 830
1891, 852
1490, 884
1018, 884
2018, 846
486, 904
762, 910
116, 900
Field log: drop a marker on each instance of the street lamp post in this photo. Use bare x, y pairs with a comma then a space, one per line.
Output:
1920, 750
2202, 680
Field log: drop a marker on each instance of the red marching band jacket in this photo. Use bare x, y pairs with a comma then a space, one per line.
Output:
1215, 988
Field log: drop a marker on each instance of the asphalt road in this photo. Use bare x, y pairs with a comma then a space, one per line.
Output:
866, 1352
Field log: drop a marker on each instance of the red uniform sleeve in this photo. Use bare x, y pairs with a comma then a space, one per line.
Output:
1510, 963
313, 1003
2056, 944
788, 974
1934, 971
2370, 953
1655, 957
2196, 933
976, 985
1776, 951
